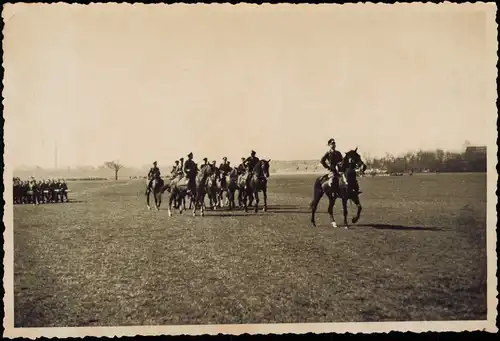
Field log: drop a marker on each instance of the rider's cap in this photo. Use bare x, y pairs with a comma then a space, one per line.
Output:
253, 152
190, 154
155, 162
330, 141
176, 161
182, 159
205, 159
224, 158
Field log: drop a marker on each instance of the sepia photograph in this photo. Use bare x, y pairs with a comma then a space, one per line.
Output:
204, 169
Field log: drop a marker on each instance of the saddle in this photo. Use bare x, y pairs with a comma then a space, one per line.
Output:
328, 178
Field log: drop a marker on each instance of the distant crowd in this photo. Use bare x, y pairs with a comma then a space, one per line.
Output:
32, 191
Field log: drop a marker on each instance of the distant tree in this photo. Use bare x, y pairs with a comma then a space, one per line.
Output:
114, 166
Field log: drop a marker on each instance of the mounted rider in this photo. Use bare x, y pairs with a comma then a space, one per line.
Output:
154, 173
204, 164
214, 168
190, 169
331, 160
175, 170
225, 169
249, 164
241, 166
180, 169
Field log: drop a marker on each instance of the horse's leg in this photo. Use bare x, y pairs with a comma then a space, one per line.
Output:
230, 195
170, 200
147, 200
331, 204
344, 209
317, 195
240, 197
264, 194
256, 195
202, 201
360, 208
155, 197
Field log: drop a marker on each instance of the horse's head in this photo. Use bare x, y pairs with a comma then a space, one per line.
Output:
262, 167
352, 159
233, 174
205, 172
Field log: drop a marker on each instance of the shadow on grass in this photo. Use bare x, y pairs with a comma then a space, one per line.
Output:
400, 227
289, 209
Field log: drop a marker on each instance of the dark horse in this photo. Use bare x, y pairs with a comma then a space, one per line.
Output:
344, 187
257, 183
157, 188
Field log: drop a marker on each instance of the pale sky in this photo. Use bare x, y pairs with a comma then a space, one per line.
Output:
140, 83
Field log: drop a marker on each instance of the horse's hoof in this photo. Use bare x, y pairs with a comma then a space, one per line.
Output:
334, 224
169, 213
355, 220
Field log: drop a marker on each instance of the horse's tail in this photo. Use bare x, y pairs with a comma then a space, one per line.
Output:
317, 191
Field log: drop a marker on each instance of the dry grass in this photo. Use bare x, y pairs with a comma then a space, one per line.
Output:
418, 253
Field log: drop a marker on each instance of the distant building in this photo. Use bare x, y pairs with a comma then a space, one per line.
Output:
476, 150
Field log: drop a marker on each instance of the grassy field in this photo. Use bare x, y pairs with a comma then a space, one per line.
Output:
418, 253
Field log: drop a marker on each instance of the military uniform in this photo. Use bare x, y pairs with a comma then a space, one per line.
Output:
250, 163
205, 163
330, 161
241, 167
190, 171
214, 168
175, 169
225, 169
153, 173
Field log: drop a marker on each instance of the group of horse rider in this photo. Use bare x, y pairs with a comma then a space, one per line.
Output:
39, 191
189, 168
332, 161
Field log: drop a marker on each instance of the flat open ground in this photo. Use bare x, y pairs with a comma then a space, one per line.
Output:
418, 253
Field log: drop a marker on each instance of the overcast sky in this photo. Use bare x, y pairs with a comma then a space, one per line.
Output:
143, 83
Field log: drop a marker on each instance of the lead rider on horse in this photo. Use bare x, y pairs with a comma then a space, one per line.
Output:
250, 163
334, 157
154, 173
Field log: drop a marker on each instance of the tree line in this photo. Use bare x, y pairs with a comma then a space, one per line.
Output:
431, 161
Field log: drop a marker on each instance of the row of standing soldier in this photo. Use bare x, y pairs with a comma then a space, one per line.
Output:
34, 191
